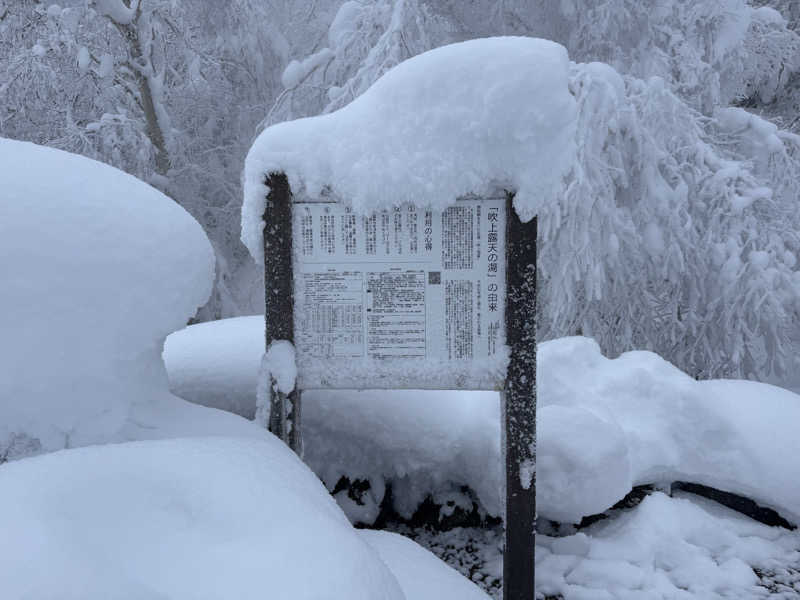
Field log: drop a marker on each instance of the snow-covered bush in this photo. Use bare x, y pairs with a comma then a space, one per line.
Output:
97, 268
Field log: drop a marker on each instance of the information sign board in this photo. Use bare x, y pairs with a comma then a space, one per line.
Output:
407, 297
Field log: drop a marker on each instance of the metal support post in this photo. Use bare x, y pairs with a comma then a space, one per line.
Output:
284, 419
519, 410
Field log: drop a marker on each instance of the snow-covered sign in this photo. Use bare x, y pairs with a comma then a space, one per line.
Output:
402, 298
386, 258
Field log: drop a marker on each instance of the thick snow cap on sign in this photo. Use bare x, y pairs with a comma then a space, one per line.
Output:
460, 119
199, 519
97, 268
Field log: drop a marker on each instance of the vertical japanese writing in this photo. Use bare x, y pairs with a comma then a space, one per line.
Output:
370, 230
327, 234
411, 227
385, 233
307, 233
398, 230
349, 232
458, 318
492, 284
428, 231
457, 237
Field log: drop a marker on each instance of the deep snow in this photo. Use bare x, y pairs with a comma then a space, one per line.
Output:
98, 267
201, 518
604, 426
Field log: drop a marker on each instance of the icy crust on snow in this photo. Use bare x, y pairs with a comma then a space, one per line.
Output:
97, 268
603, 426
460, 119
201, 518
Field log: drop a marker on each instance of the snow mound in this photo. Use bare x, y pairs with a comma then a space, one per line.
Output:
733, 435
460, 119
421, 441
604, 426
421, 574
98, 267
216, 364
666, 548
202, 518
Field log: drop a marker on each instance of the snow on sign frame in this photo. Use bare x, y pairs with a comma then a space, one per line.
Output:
369, 298
403, 298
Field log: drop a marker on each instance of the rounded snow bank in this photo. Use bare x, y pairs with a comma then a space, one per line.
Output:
97, 268
202, 518
736, 436
460, 119
605, 425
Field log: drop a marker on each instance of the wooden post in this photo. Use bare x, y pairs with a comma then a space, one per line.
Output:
519, 409
279, 301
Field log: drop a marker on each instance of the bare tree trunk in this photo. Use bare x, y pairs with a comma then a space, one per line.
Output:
139, 63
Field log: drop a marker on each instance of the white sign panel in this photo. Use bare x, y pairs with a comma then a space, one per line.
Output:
405, 298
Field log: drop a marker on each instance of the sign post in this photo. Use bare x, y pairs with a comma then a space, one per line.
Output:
412, 298
284, 413
519, 410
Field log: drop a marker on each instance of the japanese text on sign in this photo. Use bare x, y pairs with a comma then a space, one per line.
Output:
406, 284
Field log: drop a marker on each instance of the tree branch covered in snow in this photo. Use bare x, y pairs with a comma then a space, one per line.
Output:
666, 239
675, 233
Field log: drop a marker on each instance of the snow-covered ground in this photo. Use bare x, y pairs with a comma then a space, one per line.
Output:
683, 547
604, 426
189, 518
197, 518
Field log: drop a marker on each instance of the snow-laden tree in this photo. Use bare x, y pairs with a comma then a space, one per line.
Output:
677, 230
364, 40
665, 237
168, 91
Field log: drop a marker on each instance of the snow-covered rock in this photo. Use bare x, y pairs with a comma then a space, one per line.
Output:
605, 425
203, 518
460, 119
97, 268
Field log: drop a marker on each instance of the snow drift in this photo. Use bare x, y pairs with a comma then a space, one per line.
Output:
203, 518
98, 267
605, 425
